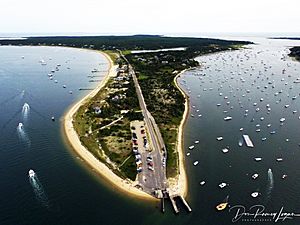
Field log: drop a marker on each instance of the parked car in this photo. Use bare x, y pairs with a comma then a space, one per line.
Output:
150, 164
151, 168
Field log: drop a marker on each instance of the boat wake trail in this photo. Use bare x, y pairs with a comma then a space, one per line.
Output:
39, 190
23, 135
270, 184
25, 111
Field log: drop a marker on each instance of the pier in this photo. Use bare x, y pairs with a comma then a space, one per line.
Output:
174, 205
163, 205
186, 204
176, 210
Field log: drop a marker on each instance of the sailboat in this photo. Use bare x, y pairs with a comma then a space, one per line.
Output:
223, 204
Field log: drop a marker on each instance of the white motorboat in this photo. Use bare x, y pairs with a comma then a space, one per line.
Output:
202, 183
222, 185
225, 150
255, 194
31, 173
282, 120
227, 118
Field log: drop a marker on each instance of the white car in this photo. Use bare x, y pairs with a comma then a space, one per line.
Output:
151, 168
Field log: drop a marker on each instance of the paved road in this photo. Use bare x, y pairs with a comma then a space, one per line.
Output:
155, 179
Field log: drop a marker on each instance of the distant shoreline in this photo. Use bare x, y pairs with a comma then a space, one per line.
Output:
71, 135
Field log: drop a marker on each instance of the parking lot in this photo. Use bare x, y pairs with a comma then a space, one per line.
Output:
149, 163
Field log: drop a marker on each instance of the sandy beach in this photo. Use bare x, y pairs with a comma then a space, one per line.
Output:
125, 186
182, 182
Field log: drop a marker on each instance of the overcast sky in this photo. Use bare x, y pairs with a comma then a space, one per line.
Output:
149, 16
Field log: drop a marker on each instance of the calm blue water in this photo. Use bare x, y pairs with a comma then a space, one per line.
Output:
238, 80
66, 191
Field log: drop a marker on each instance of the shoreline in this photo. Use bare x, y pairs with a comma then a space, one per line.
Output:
182, 181
126, 186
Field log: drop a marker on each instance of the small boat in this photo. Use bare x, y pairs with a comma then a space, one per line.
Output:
202, 183
191, 147
279, 159
254, 176
264, 138
222, 185
240, 143
219, 138
223, 204
53, 118
227, 118
31, 173
197, 142
282, 120
188, 153
196, 163
273, 132
284, 176
225, 150
257, 159
255, 194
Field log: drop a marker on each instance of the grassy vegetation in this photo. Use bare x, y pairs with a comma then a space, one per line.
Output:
295, 52
103, 124
113, 55
129, 168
